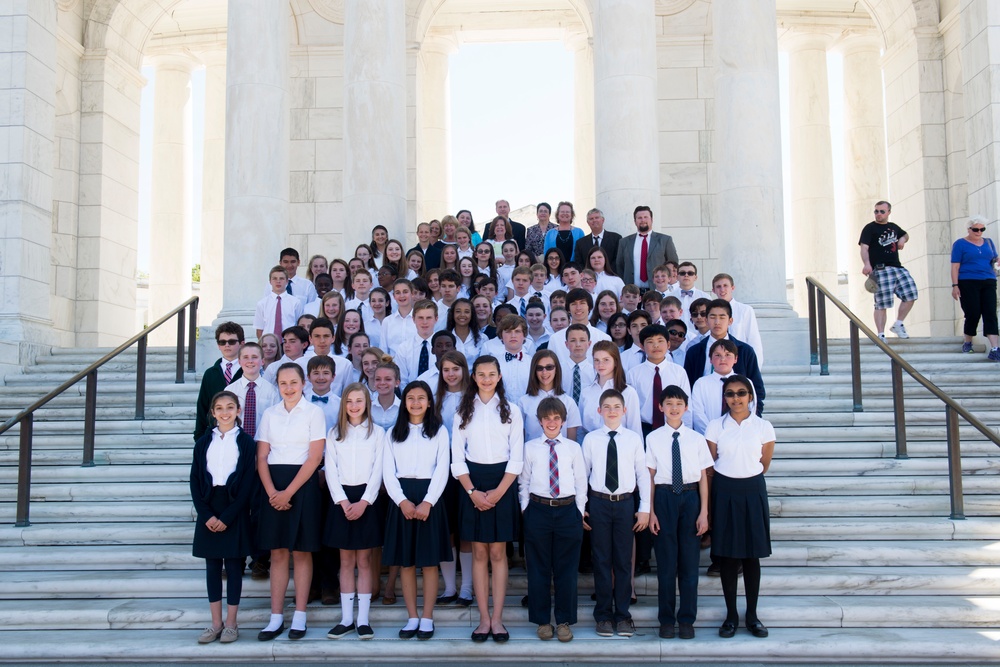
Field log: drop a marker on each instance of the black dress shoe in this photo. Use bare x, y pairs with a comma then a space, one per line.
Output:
446, 599
501, 637
642, 567
425, 634
666, 632
728, 629
463, 602
686, 631
296, 634
633, 600
268, 635
756, 628
408, 634
524, 601
480, 637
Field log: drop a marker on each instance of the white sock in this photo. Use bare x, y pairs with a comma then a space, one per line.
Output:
275, 623
448, 573
466, 561
412, 624
897, 323
364, 604
347, 608
299, 620
426, 624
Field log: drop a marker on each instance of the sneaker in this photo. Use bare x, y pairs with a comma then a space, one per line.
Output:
899, 330
209, 635
563, 632
994, 354
229, 635
365, 632
605, 629
625, 628
545, 631
966, 347
340, 630
881, 337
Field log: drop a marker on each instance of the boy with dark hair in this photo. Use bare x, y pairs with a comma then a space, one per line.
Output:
229, 337
278, 310
300, 288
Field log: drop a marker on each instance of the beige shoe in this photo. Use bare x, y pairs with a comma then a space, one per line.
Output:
563, 632
545, 631
209, 635
229, 635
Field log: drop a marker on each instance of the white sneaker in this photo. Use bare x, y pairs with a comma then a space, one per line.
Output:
881, 337
899, 330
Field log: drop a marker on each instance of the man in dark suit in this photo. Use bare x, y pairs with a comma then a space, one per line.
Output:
432, 251
519, 230
630, 264
597, 237
720, 316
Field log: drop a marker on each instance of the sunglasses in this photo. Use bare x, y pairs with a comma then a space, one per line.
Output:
229, 341
977, 229
687, 273
699, 313
482, 251
676, 333
546, 367
881, 210
742, 393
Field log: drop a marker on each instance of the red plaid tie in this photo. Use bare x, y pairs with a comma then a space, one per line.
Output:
250, 410
553, 469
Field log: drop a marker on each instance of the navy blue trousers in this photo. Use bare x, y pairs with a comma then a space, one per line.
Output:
677, 551
611, 551
552, 537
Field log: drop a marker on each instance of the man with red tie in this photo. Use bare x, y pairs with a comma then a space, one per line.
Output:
640, 253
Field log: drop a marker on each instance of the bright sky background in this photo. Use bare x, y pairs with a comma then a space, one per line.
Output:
512, 135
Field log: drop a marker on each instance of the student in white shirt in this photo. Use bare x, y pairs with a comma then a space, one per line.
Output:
617, 473
464, 325
577, 363
350, 324
552, 498
385, 403
545, 380
487, 456
633, 355
601, 265
680, 513
361, 283
321, 374
353, 469
413, 354
398, 326
301, 288
321, 339
538, 331
415, 472
267, 317
295, 343
608, 374
521, 280
657, 369
515, 356
676, 338
324, 285
579, 304
254, 400
606, 305
742, 445
707, 401
290, 443
744, 326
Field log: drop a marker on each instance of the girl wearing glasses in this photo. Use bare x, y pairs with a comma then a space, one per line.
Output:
545, 380
742, 445
974, 283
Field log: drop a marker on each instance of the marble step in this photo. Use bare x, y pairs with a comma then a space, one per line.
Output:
847, 580
52, 379
133, 511
10, 440
105, 386
872, 553
109, 426
782, 528
914, 418
798, 645
103, 474
789, 403
105, 413
826, 432
121, 493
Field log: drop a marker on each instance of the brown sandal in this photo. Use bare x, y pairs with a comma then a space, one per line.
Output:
389, 598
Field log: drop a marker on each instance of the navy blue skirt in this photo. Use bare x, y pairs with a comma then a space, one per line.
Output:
741, 519
233, 542
412, 543
362, 533
299, 528
500, 524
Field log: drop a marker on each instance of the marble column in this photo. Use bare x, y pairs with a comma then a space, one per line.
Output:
213, 186
374, 119
434, 128
748, 203
981, 84
864, 151
814, 223
170, 257
256, 178
27, 125
581, 45
626, 138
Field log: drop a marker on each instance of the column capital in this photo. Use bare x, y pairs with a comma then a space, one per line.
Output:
442, 42
852, 41
213, 57
183, 61
800, 38
577, 39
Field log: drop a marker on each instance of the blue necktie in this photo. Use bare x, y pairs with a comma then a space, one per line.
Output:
320, 399
424, 359
288, 287
687, 292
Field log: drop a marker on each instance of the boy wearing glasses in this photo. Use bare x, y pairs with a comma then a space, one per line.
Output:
229, 337
687, 276
880, 244
676, 337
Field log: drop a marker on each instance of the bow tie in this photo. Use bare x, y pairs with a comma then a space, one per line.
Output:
320, 399
687, 292
507, 356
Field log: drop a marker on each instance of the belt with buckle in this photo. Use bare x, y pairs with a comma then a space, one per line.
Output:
613, 497
693, 486
553, 502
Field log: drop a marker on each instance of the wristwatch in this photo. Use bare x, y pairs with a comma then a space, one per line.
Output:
471, 490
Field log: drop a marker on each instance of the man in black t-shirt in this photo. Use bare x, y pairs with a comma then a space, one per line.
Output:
880, 243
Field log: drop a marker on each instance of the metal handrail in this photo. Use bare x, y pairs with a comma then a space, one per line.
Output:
820, 354
26, 417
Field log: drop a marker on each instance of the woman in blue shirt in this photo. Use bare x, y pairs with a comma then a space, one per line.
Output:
974, 283
565, 236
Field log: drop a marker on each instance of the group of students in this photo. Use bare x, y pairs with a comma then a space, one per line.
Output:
469, 437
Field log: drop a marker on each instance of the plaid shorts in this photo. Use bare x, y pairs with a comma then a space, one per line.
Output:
893, 280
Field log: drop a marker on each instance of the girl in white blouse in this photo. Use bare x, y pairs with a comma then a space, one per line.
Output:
487, 453
545, 380
354, 476
415, 471
608, 374
290, 440
742, 445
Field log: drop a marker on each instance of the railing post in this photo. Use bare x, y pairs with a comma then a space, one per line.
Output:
90, 419
824, 348
898, 411
140, 378
954, 464
856, 368
180, 347
24, 472
192, 335
813, 349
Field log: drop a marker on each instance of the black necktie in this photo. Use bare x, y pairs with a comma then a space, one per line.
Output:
288, 287
611, 472
597, 241
424, 359
678, 476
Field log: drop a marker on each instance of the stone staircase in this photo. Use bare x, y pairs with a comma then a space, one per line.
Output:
866, 565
